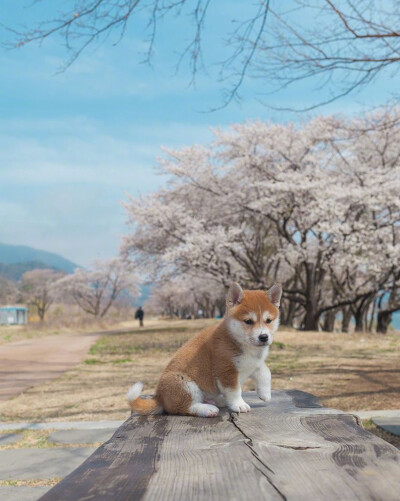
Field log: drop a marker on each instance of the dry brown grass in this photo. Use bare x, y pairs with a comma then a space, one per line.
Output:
31, 483
64, 319
95, 388
13, 333
77, 323
40, 439
346, 371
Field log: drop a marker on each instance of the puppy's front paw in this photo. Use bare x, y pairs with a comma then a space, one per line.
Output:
239, 406
264, 394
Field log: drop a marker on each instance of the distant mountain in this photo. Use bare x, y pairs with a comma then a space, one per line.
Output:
15, 258
14, 271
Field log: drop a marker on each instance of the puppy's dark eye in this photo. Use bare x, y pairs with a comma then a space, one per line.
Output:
269, 320
249, 321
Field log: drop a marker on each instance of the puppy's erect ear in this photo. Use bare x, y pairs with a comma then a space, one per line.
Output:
234, 296
274, 294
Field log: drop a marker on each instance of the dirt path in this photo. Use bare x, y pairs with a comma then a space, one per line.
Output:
27, 363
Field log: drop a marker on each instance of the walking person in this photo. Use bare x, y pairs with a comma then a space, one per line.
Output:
139, 315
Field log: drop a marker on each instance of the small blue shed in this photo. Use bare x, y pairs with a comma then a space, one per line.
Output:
13, 315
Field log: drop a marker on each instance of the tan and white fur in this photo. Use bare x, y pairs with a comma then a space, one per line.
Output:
208, 371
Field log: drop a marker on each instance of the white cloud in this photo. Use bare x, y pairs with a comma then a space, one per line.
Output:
12, 213
62, 181
81, 151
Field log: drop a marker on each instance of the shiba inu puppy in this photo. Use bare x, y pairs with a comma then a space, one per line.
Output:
207, 372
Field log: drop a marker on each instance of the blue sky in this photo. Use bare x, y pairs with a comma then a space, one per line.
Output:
74, 144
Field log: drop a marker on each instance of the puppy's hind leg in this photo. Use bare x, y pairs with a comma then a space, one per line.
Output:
203, 410
180, 395
198, 408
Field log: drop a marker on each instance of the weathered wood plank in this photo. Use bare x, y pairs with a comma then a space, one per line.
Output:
319, 453
121, 466
206, 459
291, 448
166, 457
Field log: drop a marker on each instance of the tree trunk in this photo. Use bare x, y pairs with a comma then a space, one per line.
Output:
329, 321
289, 308
41, 313
384, 319
311, 319
359, 317
360, 313
372, 316
346, 312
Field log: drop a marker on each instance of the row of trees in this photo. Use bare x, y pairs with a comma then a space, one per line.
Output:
94, 291
314, 206
187, 297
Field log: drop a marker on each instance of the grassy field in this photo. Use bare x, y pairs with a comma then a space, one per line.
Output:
13, 333
346, 371
65, 320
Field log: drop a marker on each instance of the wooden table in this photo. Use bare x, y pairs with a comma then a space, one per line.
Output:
292, 448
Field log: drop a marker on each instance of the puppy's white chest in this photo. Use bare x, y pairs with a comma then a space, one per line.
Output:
247, 363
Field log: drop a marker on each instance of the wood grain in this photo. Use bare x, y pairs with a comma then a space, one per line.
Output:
206, 459
292, 448
120, 468
318, 453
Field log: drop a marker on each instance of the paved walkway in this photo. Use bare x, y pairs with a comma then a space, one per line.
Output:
390, 424
41, 463
391, 413
65, 450
62, 425
30, 362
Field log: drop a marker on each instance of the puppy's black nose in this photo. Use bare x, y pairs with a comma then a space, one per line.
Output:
263, 338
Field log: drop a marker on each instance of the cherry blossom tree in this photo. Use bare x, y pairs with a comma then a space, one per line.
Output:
96, 290
37, 288
314, 206
8, 291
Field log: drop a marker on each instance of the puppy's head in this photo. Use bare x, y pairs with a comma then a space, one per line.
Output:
253, 316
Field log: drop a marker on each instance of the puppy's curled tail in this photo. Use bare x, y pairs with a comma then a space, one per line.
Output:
142, 405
